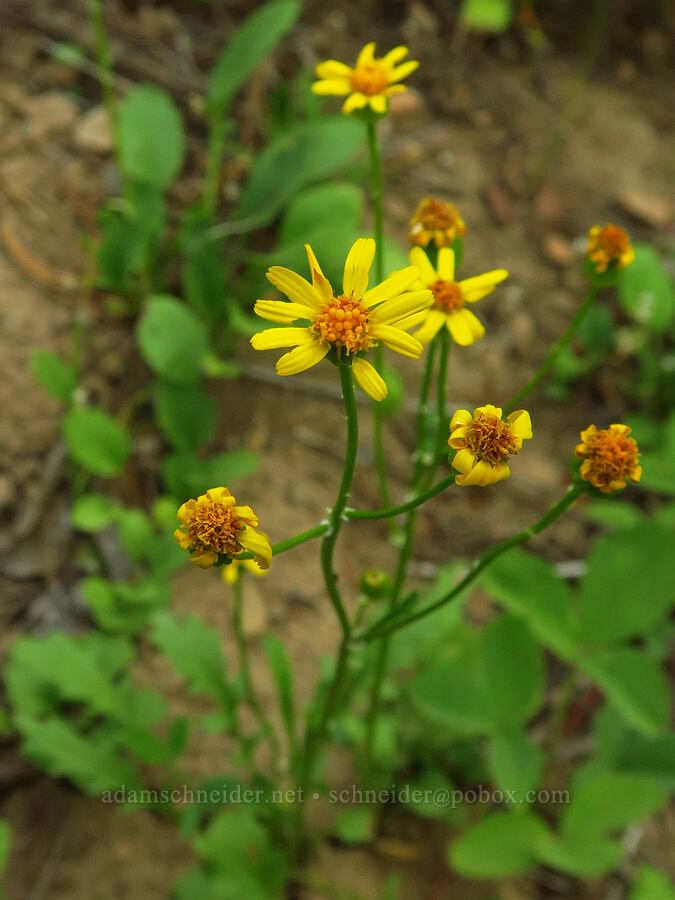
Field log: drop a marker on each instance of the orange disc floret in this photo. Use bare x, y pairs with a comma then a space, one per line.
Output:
610, 457
343, 323
435, 220
485, 442
609, 245
214, 527
448, 296
371, 78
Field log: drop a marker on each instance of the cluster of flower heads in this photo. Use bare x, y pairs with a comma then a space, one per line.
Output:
344, 326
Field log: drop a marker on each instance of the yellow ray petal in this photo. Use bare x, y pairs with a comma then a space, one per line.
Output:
369, 379
395, 89
418, 258
336, 87
205, 559
296, 288
459, 329
463, 461
302, 358
489, 410
404, 70
274, 338
247, 514
357, 100
182, 539
395, 284
319, 280
357, 268
257, 543
367, 55
391, 311
481, 285
221, 495
332, 68
378, 103
398, 340
473, 322
499, 473
461, 417
446, 264
282, 311
480, 475
520, 424
413, 321
434, 322
187, 511
394, 56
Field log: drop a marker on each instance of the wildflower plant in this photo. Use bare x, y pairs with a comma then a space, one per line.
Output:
466, 685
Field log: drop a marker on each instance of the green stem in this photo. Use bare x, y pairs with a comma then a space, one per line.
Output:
315, 735
386, 626
378, 415
442, 428
403, 507
218, 128
555, 351
105, 73
250, 695
405, 551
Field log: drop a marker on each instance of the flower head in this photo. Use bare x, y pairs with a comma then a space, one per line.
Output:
608, 246
437, 221
450, 297
347, 324
232, 572
369, 83
610, 457
213, 526
485, 441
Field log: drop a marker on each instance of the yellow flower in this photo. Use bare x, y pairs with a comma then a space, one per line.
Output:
437, 221
484, 443
609, 245
231, 572
214, 526
370, 83
450, 296
609, 456
346, 325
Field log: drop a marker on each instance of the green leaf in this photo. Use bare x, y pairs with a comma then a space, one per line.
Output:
510, 671
91, 762
658, 464
204, 284
188, 476
445, 692
608, 802
587, 856
635, 684
185, 413
646, 292
151, 132
172, 339
5, 840
628, 586
486, 15
516, 763
307, 212
651, 884
247, 47
302, 155
54, 375
136, 531
96, 441
281, 668
124, 607
92, 512
629, 751
528, 588
613, 513
195, 651
500, 845
431, 796
355, 825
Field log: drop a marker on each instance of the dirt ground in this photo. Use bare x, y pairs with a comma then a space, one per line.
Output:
531, 154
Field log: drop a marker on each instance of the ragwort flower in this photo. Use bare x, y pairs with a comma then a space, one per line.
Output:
437, 221
485, 441
346, 325
610, 457
450, 296
370, 83
214, 528
608, 246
